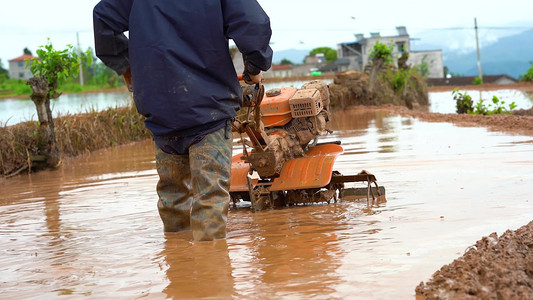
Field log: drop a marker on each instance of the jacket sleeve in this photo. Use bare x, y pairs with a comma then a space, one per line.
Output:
110, 21
246, 23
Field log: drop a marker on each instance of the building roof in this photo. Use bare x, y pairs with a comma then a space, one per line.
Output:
425, 51
342, 61
281, 67
22, 57
468, 80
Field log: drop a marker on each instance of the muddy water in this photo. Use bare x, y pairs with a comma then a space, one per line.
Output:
91, 229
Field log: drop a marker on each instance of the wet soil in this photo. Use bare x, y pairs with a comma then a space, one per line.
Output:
494, 268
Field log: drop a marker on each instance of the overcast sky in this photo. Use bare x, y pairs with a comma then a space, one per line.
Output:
296, 24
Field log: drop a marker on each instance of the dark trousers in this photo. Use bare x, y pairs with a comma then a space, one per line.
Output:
193, 189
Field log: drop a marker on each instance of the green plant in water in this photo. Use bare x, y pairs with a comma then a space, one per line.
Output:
464, 104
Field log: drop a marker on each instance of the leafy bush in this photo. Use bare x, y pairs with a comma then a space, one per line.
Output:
399, 79
55, 65
381, 51
478, 81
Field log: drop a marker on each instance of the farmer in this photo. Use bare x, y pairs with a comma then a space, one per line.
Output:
184, 83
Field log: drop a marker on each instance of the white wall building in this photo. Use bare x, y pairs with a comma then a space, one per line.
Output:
355, 55
17, 68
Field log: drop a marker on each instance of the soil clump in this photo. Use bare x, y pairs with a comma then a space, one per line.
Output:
392, 86
494, 268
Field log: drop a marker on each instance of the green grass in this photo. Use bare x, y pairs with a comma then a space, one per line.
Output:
17, 88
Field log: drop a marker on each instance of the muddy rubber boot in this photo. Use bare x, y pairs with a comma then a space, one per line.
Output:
210, 162
174, 190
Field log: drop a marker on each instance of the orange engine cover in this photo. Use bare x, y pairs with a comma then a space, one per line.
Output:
276, 110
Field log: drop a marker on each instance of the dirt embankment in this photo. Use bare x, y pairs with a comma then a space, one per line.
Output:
521, 86
494, 268
520, 122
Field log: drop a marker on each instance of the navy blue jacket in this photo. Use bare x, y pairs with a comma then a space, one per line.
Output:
184, 80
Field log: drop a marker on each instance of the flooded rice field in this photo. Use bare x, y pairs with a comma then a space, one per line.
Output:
13, 111
91, 228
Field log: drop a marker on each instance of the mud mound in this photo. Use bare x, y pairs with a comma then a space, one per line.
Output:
494, 268
350, 88
392, 86
517, 123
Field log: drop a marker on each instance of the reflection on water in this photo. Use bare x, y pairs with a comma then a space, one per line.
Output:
197, 270
529, 95
13, 111
91, 228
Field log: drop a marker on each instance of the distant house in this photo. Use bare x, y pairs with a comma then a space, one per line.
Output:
316, 59
355, 55
274, 71
17, 67
311, 63
343, 64
280, 71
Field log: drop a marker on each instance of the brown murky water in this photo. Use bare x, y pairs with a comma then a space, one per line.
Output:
91, 229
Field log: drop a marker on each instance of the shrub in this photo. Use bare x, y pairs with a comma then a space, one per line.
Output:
528, 76
382, 52
464, 103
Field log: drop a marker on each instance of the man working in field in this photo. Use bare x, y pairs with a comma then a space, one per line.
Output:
185, 84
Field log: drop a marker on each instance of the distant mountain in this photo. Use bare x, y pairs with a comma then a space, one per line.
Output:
508, 55
500, 54
297, 56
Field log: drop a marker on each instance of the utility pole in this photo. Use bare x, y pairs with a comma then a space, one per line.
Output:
79, 58
480, 74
